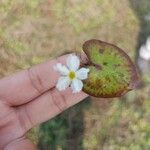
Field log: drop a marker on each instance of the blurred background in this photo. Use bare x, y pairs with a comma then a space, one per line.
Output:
32, 31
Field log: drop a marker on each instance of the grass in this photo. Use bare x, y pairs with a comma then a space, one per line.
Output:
33, 31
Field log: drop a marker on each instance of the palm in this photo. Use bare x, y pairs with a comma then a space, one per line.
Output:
10, 125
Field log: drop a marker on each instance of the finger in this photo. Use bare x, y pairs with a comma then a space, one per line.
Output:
20, 144
47, 106
24, 86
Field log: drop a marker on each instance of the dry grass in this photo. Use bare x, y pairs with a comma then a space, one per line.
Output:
32, 31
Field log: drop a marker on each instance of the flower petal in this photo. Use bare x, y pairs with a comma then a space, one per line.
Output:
73, 62
63, 83
82, 73
63, 70
76, 85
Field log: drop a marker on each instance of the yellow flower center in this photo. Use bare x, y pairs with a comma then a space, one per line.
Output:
72, 75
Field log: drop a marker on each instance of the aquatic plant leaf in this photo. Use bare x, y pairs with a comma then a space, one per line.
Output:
112, 73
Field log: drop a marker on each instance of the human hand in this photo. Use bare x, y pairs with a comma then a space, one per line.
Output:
29, 98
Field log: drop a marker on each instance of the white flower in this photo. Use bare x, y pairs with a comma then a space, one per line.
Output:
71, 76
148, 43
144, 51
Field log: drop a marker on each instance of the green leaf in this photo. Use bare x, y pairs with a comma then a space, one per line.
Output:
112, 73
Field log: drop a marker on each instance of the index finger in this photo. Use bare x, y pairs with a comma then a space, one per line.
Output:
28, 84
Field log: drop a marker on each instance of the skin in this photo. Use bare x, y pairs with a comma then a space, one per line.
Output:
29, 98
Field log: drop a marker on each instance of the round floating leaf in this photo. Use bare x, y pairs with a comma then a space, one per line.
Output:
112, 72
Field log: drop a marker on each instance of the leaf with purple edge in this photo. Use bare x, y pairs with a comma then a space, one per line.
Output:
112, 73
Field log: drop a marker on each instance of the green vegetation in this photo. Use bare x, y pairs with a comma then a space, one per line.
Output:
33, 31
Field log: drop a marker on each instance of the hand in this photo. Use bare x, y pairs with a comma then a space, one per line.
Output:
29, 98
